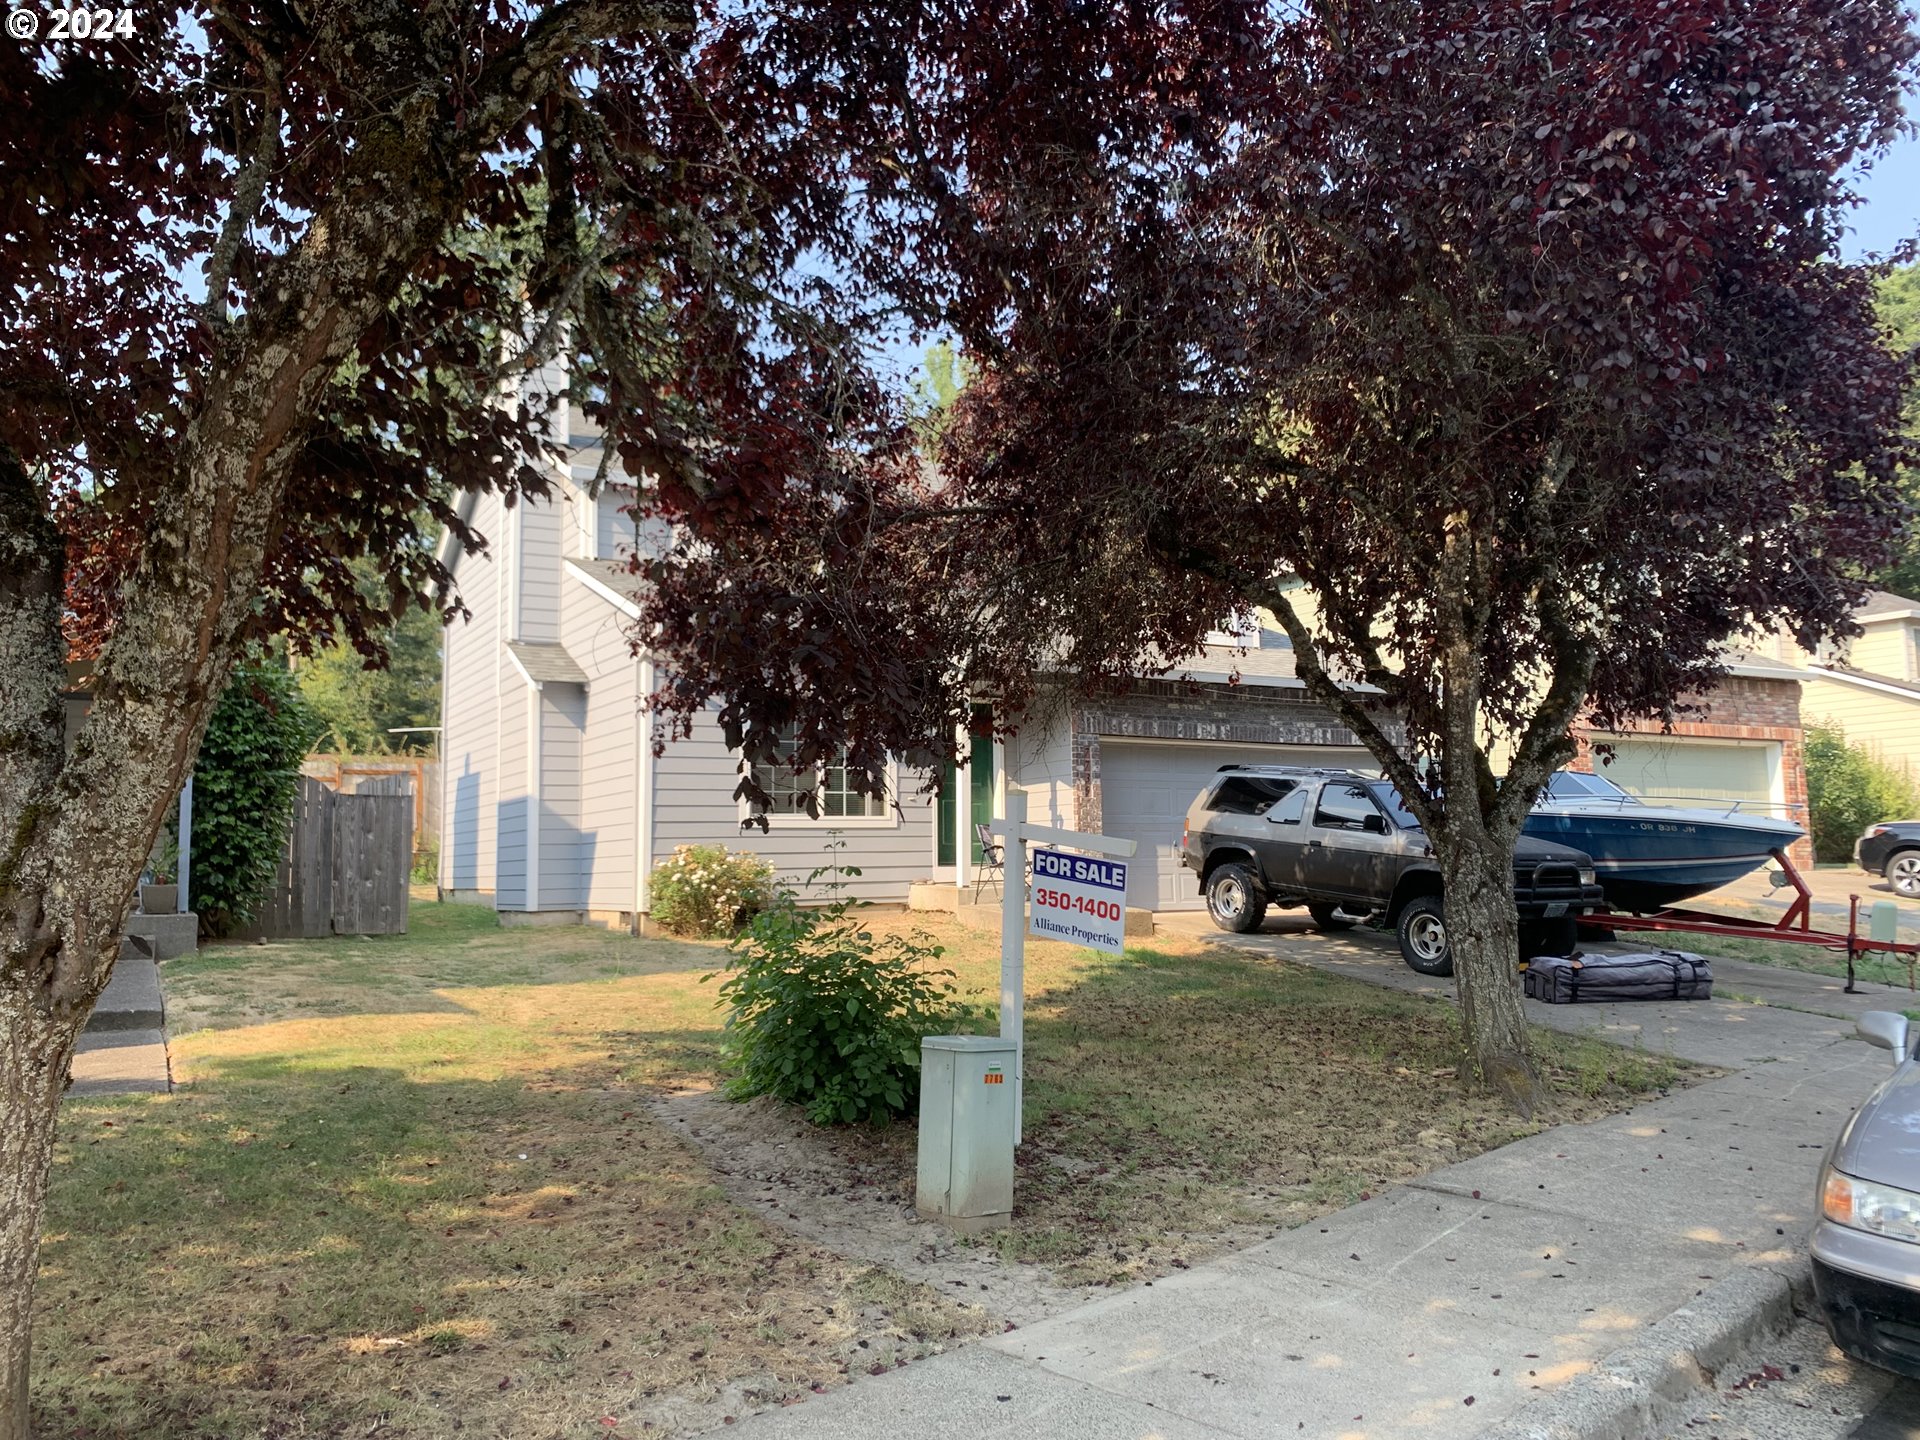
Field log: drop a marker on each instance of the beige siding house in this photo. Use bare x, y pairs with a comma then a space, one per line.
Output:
557, 809
1872, 689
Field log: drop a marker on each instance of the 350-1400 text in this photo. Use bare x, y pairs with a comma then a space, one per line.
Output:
1059, 900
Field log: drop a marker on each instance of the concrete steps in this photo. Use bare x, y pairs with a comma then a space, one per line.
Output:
124, 1048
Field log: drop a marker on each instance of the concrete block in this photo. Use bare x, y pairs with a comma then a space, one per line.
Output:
169, 935
518, 919
131, 1000
931, 895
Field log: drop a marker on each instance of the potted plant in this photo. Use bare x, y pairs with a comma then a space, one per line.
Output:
160, 889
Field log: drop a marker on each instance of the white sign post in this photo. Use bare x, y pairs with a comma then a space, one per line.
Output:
1014, 833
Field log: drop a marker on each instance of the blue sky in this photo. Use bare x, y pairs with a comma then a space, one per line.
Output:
1892, 211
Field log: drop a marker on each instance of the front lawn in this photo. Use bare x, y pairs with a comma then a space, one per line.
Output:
413, 1185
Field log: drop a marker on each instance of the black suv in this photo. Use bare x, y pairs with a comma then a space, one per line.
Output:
1343, 845
1892, 850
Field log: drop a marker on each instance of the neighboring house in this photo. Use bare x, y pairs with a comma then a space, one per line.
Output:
555, 807
1871, 689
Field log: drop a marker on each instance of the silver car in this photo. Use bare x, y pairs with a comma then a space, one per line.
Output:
1866, 1247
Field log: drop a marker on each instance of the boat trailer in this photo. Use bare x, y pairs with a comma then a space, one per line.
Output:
1795, 927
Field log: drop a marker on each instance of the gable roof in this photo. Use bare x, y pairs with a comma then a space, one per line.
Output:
611, 580
1885, 605
1867, 680
546, 664
1755, 666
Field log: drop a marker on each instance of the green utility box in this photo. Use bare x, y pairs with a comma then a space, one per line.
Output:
1883, 922
967, 1095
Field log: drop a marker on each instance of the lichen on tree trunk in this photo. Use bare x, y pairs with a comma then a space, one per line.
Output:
35, 1049
1484, 930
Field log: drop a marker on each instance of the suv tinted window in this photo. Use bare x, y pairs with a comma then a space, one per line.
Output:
1249, 794
1343, 807
1290, 811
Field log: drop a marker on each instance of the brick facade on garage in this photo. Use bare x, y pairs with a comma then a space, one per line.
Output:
1739, 708
1188, 710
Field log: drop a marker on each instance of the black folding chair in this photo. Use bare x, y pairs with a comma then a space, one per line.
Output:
992, 861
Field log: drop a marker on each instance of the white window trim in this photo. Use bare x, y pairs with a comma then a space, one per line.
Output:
889, 819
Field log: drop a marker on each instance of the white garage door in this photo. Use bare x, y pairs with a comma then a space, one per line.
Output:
1145, 789
1679, 769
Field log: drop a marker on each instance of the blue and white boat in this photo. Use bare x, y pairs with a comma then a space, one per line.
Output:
1650, 856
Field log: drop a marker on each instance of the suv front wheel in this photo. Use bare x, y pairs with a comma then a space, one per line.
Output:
1423, 936
1234, 899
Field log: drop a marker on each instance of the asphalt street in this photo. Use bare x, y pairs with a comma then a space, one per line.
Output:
1798, 1387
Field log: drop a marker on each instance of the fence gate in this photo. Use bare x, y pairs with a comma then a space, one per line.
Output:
346, 865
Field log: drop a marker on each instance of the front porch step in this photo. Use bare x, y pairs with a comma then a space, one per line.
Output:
166, 935
131, 1000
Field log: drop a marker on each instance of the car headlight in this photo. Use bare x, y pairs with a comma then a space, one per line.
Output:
1587, 877
1876, 1209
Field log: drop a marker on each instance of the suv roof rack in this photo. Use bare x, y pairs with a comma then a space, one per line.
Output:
1342, 771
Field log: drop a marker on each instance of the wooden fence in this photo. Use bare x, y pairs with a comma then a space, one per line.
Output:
369, 774
345, 868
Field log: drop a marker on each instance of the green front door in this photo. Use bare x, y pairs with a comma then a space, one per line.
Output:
980, 788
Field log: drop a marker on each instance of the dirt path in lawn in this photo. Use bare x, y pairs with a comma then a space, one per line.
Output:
853, 1199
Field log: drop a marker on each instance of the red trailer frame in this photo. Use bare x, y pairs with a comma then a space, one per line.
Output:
1795, 927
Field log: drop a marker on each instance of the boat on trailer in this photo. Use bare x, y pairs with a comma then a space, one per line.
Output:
1651, 856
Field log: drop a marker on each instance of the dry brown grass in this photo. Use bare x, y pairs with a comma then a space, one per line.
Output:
447, 1213
1186, 1098
412, 1188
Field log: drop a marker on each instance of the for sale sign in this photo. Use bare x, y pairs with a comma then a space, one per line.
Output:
1079, 899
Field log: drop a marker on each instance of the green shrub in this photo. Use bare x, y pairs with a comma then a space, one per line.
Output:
244, 783
824, 1015
707, 890
1849, 788
426, 862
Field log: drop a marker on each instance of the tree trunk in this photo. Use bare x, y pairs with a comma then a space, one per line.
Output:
1484, 930
33, 1072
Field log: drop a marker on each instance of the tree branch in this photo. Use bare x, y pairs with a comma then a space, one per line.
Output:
250, 188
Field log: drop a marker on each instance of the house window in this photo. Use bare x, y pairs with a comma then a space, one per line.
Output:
831, 785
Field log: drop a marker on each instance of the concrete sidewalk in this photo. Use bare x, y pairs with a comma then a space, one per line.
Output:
1442, 1307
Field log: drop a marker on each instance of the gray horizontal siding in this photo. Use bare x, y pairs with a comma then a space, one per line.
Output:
467, 715
694, 784
564, 851
539, 560
594, 633
510, 828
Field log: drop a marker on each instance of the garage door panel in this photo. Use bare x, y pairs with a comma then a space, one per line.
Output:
1680, 769
1145, 790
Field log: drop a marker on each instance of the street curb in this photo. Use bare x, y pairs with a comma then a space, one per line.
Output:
1672, 1365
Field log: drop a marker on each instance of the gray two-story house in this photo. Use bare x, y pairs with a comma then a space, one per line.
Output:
556, 808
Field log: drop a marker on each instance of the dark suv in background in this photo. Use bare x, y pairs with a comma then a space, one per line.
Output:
1343, 845
1892, 850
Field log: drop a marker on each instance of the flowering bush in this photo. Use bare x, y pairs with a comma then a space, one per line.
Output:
708, 890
